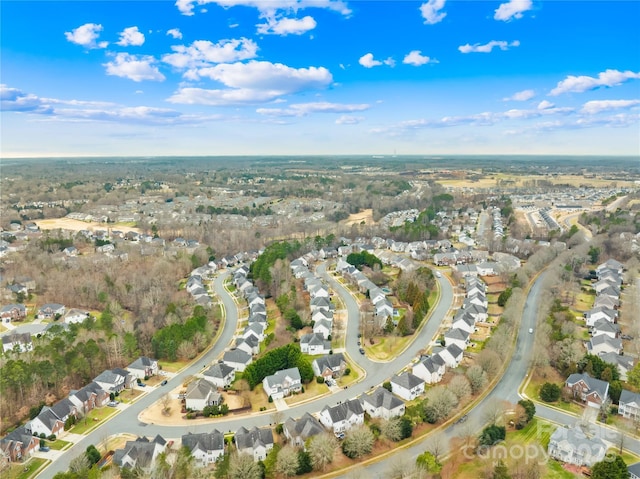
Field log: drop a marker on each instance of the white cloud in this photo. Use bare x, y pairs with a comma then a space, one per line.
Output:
389, 62
523, 95
13, 99
303, 109
487, 47
16, 100
134, 67
287, 26
86, 36
416, 58
579, 84
175, 33
349, 120
544, 105
431, 11
512, 9
203, 53
367, 61
597, 106
131, 36
253, 82
186, 6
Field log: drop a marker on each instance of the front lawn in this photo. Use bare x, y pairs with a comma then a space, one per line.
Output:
27, 470
58, 444
311, 390
353, 376
172, 366
385, 348
93, 419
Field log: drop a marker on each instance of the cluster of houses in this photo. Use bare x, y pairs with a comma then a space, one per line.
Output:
21, 342
602, 318
21, 442
321, 308
195, 284
382, 307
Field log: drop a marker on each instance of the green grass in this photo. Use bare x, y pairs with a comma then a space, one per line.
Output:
353, 376
387, 347
25, 471
58, 444
93, 419
554, 470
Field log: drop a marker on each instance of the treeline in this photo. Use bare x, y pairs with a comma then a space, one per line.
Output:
261, 267
363, 259
285, 357
169, 342
414, 289
246, 211
59, 361
422, 227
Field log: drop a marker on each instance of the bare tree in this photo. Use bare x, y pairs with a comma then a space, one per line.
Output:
402, 467
358, 442
477, 378
459, 385
287, 462
489, 361
165, 400
439, 403
242, 466
322, 449
392, 429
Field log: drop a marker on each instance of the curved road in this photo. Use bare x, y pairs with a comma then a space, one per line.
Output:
127, 420
505, 390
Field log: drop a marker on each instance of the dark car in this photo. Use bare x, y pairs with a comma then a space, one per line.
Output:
361, 351
461, 419
163, 382
44, 449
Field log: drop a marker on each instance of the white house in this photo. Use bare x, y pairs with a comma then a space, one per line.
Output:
342, 417
314, 344
75, 315
200, 394
220, 375
457, 336
407, 386
323, 327
282, 383
298, 431
382, 403
143, 367
604, 344
206, 448
140, 453
255, 442
429, 371
629, 404
571, 445
600, 312
237, 359
20, 341
452, 355
114, 380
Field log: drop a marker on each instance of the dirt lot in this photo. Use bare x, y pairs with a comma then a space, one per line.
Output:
76, 225
357, 218
154, 415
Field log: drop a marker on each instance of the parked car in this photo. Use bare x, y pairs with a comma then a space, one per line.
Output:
113, 403
361, 351
163, 382
45, 448
141, 384
461, 419
438, 274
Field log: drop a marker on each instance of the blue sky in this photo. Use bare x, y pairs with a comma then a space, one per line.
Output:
243, 77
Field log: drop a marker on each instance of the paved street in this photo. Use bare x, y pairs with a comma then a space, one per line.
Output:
127, 420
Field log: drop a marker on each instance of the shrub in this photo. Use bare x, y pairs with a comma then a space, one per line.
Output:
492, 434
347, 372
270, 399
320, 380
279, 428
550, 392
52, 437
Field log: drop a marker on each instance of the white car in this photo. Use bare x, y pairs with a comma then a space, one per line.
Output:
530, 330
438, 274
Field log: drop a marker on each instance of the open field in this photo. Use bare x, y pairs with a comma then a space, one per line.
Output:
77, 225
357, 218
506, 180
